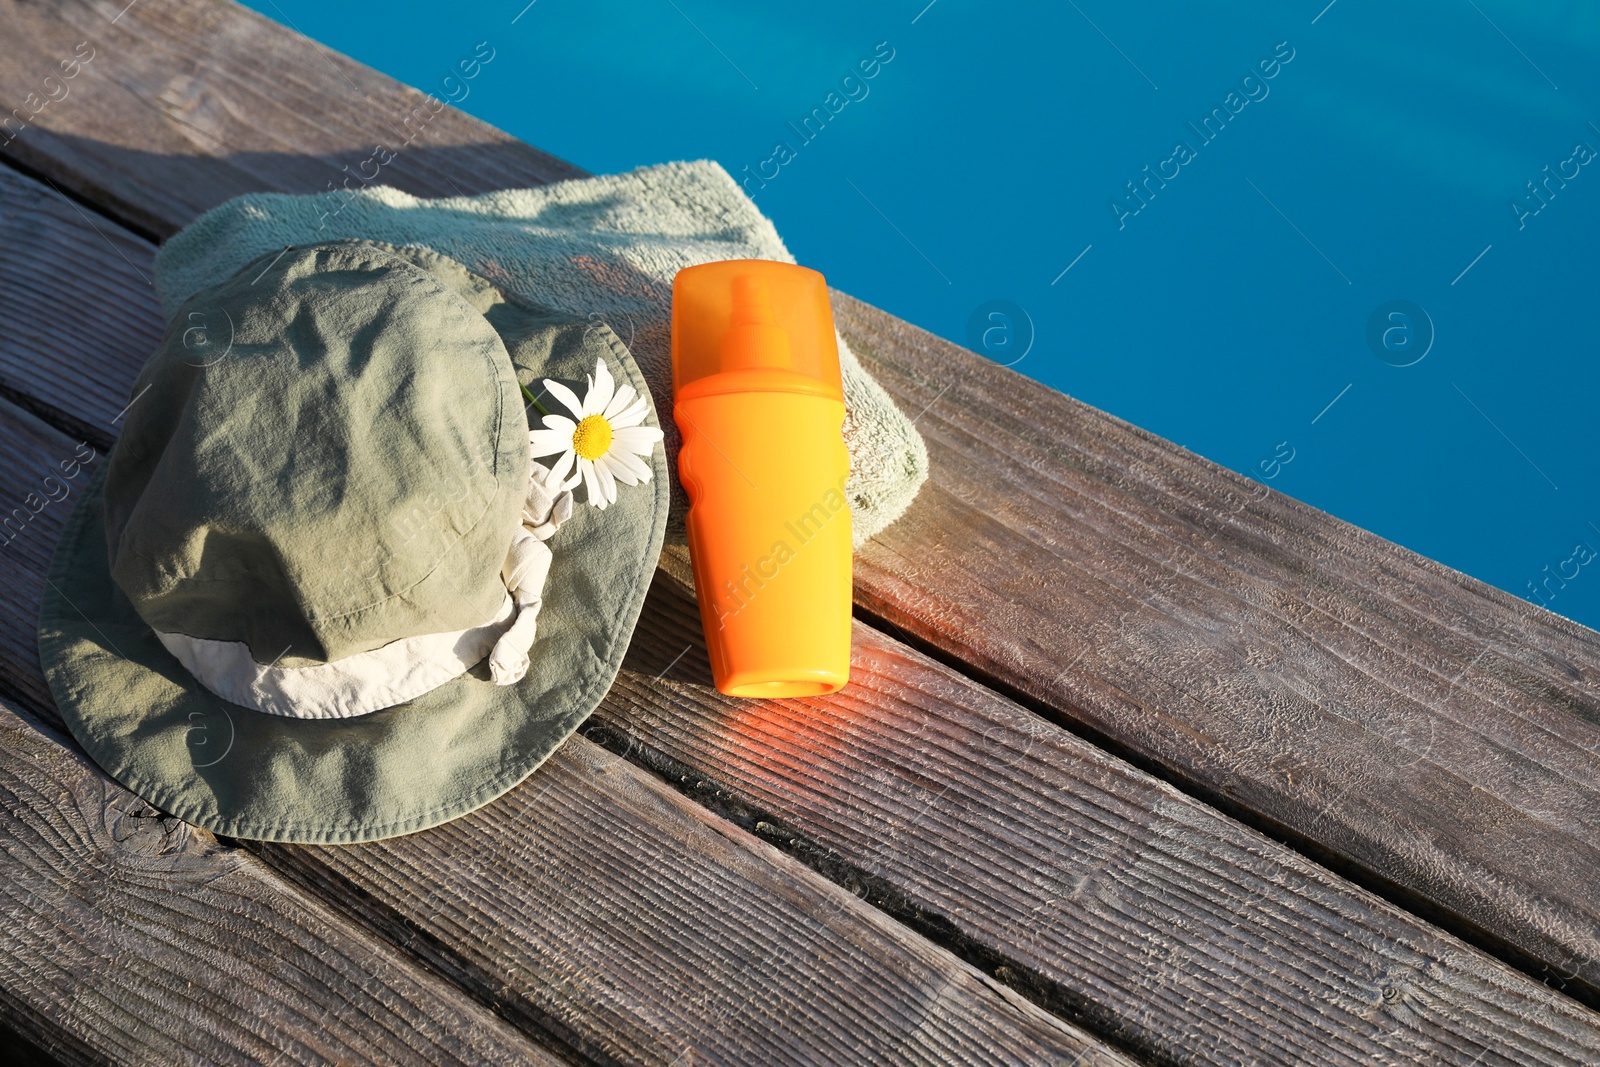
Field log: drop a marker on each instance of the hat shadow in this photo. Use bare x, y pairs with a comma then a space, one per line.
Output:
669, 643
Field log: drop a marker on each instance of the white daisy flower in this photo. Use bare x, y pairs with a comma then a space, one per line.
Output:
604, 438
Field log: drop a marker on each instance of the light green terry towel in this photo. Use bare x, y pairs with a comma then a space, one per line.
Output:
606, 246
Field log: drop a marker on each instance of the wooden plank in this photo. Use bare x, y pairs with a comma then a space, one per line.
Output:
129, 936
182, 104
1092, 887
1435, 736
602, 906
54, 330
1428, 734
1080, 881
34, 499
599, 907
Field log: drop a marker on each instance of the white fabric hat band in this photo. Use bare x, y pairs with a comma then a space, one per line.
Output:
405, 669
365, 682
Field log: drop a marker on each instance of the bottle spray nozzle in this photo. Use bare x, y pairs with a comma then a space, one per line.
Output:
754, 338
740, 324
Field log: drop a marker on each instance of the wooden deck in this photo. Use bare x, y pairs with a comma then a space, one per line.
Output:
1142, 762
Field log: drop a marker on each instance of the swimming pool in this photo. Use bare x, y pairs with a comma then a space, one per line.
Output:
1345, 248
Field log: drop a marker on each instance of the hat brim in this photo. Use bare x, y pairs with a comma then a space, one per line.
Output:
243, 773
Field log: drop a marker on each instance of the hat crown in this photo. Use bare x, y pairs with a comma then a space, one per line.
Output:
327, 453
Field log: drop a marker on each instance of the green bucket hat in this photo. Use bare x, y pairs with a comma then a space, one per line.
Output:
340, 578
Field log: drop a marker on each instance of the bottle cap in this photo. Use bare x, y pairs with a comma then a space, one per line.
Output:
753, 316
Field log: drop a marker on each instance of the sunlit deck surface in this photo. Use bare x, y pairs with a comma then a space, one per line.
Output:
1142, 761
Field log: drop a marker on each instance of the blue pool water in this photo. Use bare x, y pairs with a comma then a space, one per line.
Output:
1366, 277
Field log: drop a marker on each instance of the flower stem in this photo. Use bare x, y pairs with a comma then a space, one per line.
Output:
532, 399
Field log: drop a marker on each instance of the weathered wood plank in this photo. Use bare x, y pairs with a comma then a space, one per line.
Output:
35, 497
131, 937
1094, 888
65, 280
599, 908
1099, 892
1436, 735
602, 906
181, 104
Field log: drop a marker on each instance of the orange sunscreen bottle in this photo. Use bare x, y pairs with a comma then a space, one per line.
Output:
757, 396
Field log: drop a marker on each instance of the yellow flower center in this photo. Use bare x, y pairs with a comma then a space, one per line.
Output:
592, 437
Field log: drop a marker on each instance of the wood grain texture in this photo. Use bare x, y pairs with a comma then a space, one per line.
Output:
186, 103
593, 906
1433, 734
1436, 735
35, 496
131, 937
1416, 728
1101, 893
65, 284
598, 904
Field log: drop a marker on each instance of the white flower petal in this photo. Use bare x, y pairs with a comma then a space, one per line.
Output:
549, 442
568, 398
559, 422
608, 484
629, 468
624, 396
601, 388
558, 472
618, 475
640, 439
633, 414
591, 484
